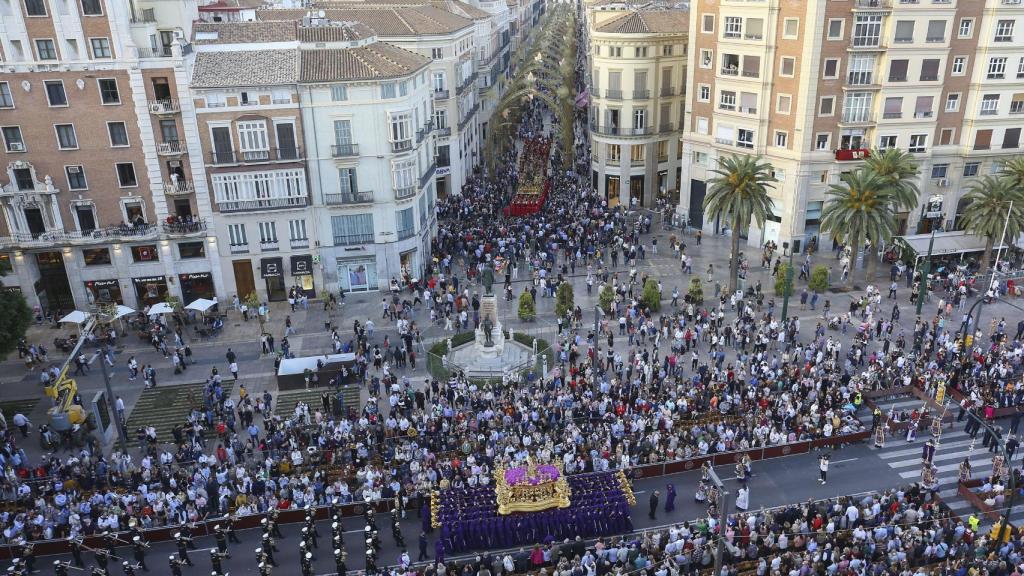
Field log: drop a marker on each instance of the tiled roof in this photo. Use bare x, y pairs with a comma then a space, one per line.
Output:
375, 61
647, 22
386, 19
335, 32
243, 32
245, 68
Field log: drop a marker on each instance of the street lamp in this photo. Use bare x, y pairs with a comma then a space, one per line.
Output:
788, 291
597, 334
934, 213
106, 314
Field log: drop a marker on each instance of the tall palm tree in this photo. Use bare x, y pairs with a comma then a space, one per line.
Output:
1014, 170
740, 194
900, 171
859, 209
988, 200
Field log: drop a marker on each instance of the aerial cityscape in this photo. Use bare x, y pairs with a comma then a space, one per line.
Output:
497, 287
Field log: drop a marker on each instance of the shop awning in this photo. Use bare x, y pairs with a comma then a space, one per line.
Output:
161, 308
200, 305
946, 243
123, 311
271, 268
302, 265
76, 317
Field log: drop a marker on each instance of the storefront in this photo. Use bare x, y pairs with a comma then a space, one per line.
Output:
196, 285
104, 291
150, 290
357, 274
409, 268
302, 274
272, 272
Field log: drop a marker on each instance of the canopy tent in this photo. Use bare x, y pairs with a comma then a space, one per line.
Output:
200, 305
946, 244
76, 317
161, 308
123, 311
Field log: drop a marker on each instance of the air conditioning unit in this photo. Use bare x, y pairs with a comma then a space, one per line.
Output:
942, 182
16, 147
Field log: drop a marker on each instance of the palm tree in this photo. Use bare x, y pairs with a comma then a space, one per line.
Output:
860, 209
1014, 170
900, 171
740, 194
988, 200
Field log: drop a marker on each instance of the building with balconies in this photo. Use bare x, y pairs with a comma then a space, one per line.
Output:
638, 65
94, 156
936, 78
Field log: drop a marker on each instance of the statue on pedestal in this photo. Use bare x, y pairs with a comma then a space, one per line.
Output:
487, 327
487, 278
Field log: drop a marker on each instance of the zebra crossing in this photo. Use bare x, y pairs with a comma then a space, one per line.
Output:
953, 447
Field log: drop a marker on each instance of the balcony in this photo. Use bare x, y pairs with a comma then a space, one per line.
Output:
262, 204
422, 133
171, 148
730, 71
613, 94
923, 114
469, 116
852, 154
256, 156
100, 235
444, 132
298, 243
872, 5
668, 91
269, 246
892, 115
641, 94
185, 228
162, 52
401, 145
344, 150
239, 248
179, 188
143, 16
350, 239
348, 198
404, 233
466, 83
166, 106
428, 174
405, 192
441, 95
859, 78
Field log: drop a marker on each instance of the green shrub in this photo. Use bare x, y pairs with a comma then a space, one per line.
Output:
564, 300
781, 288
605, 298
527, 308
696, 290
651, 296
819, 279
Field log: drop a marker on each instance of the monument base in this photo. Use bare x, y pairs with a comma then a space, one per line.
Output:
497, 342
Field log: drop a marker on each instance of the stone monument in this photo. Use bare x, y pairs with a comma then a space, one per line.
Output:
489, 340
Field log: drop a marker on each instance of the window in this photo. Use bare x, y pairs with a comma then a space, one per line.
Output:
401, 127
1020, 67
92, 8
702, 126
917, 142
126, 175
404, 223
831, 68
45, 50
936, 31
13, 141
904, 32
966, 28
821, 141
783, 103
703, 93
1017, 103
791, 28
297, 230
187, 250
929, 70
898, 70
707, 57
55, 94
781, 139
440, 81
388, 90
640, 52
959, 66
252, 140
952, 102
867, 29
893, 107
614, 152
1011, 138
343, 136
946, 136
744, 138
997, 68
268, 232
100, 47
615, 51
637, 153
6, 99
76, 178
436, 53
666, 50
939, 170
788, 66
983, 139
145, 253
1004, 31
861, 68
96, 256
923, 107
989, 104
856, 106
885, 142
236, 235
640, 119
971, 169
118, 133
339, 93
66, 137
835, 28
35, 7
352, 229
108, 91
827, 106
403, 88
733, 27
707, 23
404, 177
727, 100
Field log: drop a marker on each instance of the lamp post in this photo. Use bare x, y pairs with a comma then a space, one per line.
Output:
597, 334
106, 315
722, 500
934, 212
789, 284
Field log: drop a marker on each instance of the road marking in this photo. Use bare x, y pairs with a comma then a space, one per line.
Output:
841, 461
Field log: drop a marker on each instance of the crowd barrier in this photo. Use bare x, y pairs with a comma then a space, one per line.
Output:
205, 527
870, 397
998, 413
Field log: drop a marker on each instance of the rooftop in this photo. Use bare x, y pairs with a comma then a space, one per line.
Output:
646, 22
245, 68
207, 33
377, 61
385, 19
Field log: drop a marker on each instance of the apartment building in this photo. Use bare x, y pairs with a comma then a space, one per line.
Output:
97, 189
813, 86
637, 92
